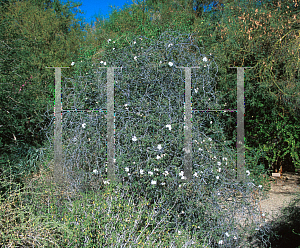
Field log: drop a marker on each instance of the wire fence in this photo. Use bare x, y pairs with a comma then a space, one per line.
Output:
145, 113
88, 87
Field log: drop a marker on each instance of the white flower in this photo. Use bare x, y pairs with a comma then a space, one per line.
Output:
181, 173
73, 63
196, 175
196, 90
126, 169
209, 139
134, 138
155, 169
83, 125
160, 62
163, 183
234, 237
170, 45
101, 62
114, 48
157, 157
227, 234
169, 126
219, 170
159, 147
108, 40
200, 149
210, 122
183, 177
221, 242
170, 64
166, 173
218, 163
153, 182
95, 171
204, 59
259, 186
150, 173
141, 171
128, 174
179, 232
217, 177
225, 159
106, 182
248, 172
104, 63
135, 57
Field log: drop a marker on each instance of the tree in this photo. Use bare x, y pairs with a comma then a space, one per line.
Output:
32, 37
266, 38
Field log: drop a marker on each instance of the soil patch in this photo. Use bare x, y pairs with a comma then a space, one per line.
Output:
275, 208
283, 191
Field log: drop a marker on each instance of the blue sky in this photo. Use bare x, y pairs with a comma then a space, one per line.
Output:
102, 8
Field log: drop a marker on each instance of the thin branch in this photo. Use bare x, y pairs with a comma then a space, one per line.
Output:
14, 100
6, 44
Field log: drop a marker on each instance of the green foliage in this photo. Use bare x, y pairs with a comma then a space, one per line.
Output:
29, 44
32, 37
29, 48
236, 41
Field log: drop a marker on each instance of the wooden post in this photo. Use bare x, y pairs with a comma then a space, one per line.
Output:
240, 143
188, 162
58, 173
110, 126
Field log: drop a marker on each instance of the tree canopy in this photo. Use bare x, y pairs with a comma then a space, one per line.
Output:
33, 35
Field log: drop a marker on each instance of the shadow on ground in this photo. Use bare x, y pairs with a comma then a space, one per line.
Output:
286, 229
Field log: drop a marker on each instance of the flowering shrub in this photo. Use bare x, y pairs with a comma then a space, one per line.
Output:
149, 141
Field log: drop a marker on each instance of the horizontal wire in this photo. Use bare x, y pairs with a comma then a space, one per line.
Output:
208, 110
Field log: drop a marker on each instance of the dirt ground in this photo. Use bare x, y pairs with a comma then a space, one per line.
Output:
286, 224
283, 191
